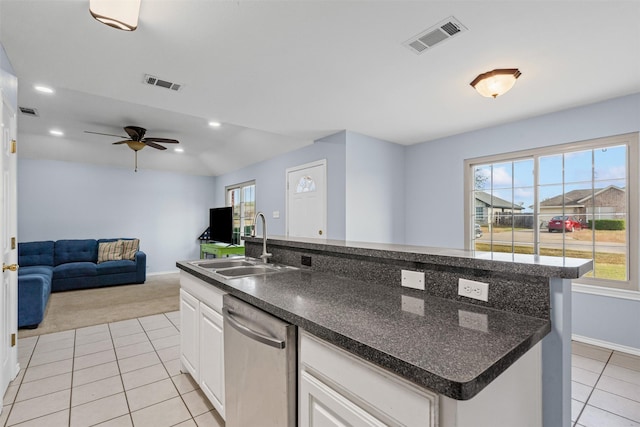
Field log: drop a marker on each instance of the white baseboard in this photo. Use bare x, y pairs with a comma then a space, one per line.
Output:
606, 344
159, 273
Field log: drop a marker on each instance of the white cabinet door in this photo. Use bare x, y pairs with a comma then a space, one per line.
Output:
189, 333
212, 357
338, 389
321, 406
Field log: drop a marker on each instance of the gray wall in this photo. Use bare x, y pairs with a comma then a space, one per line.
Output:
167, 211
365, 179
614, 320
374, 189
271, 182
434, 178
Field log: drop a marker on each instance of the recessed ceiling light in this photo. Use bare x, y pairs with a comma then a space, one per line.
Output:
43, 89
179, 150
56, 132
215, 124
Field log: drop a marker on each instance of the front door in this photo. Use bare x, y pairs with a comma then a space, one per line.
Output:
8, 248
307, 200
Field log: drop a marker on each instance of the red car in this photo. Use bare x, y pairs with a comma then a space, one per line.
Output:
570, 224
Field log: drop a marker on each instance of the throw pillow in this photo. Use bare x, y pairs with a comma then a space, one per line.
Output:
111, 251
129, 248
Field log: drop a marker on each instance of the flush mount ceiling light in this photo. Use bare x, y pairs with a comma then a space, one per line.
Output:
495, 83
215, 124
120, 14
56, 132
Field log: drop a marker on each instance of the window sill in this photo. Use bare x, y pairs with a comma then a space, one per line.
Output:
606, 292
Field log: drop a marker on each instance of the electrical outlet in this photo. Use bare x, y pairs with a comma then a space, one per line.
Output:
413, 279
473, 289
305, 260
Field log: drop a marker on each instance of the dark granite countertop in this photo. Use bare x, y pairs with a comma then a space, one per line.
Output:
450, 347
534, 265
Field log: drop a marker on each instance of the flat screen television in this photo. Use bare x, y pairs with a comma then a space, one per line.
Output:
221, 224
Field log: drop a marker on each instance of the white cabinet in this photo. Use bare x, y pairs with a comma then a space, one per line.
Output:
336, 388
212, 356
189, 341
322, 406
339, 389
201, 337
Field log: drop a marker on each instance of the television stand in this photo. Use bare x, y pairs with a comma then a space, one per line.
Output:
219, 250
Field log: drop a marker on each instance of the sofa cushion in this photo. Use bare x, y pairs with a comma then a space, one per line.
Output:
109, 251
74, 269
115, 267
35, 253
36, 269
129, 248
76, 251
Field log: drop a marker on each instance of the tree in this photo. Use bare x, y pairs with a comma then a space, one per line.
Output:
479, 179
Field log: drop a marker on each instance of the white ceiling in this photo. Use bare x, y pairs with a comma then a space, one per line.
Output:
280, 74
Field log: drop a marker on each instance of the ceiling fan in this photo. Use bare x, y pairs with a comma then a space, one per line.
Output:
137, 140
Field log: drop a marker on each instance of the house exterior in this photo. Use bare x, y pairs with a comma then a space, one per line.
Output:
603, 203
492, 208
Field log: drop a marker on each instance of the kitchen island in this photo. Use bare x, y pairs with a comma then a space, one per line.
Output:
350, 297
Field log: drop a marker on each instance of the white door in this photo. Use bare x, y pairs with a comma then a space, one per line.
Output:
306, 214
8, 243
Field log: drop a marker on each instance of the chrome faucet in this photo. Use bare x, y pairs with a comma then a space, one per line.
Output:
265, 255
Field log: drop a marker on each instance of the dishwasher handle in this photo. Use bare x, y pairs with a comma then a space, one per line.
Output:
279, 344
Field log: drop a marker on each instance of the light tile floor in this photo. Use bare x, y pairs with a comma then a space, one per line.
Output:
118, 374
605, 387
128, 374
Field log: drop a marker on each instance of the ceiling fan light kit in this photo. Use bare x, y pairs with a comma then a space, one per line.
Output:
137, 140
496, 82
120, 14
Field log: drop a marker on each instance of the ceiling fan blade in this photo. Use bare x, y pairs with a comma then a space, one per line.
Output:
163, 140
153, 144
122, 142
135, 132
105, 134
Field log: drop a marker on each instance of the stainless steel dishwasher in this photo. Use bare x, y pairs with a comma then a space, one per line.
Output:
260, 367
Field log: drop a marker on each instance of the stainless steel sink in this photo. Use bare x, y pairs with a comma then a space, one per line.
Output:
222, 263
240, 267
246, 271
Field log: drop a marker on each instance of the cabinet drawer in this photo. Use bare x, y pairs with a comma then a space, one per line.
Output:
380, 392
205, 292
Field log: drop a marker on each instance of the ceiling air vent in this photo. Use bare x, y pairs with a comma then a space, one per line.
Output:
431, 37
29, 111
154, 81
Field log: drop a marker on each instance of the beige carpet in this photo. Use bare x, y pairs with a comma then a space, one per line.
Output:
88, 307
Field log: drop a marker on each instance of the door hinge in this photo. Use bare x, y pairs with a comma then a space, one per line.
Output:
13, 340
14, 146
13, 243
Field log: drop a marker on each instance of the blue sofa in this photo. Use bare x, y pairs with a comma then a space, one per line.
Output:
64, 265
